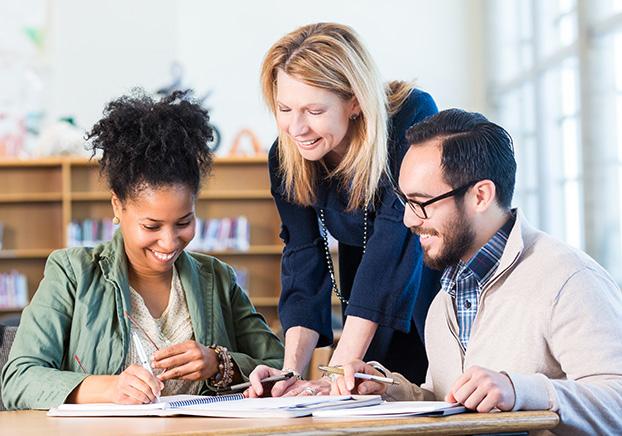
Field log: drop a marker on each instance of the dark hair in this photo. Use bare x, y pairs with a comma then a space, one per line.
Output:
152, 143
473, 148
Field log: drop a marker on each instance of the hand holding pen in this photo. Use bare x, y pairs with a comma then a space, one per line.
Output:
370, 380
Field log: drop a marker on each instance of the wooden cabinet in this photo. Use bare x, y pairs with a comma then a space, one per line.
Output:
39, 198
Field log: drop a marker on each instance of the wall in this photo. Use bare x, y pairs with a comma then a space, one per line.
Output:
99, 50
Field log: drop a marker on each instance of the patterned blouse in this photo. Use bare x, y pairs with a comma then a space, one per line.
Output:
172, 327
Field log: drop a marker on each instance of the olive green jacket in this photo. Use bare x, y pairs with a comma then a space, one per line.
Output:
78, 311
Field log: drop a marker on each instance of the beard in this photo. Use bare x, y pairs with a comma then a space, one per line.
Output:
458, 236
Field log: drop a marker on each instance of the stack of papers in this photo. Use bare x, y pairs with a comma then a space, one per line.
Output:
396, 409
229, 406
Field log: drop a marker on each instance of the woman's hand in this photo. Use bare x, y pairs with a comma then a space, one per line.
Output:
188, 361
346, 384
320, 386
135, 385
257, 389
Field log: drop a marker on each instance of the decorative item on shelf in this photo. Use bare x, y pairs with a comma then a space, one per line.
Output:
62, 137
90, 232
13, 290
247, 136
242, 277
219, 234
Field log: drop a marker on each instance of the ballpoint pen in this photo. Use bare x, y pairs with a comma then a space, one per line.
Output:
142, 356
246, 385
359, 375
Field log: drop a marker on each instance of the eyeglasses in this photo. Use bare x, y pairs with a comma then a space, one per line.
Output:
419, 208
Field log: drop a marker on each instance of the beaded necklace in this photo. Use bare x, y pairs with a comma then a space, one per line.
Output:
329, 259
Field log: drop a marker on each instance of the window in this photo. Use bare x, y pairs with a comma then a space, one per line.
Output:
556, 85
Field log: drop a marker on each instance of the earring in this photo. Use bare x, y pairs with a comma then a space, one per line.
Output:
116, 221
354, 117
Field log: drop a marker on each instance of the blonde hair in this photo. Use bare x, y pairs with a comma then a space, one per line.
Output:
331, 56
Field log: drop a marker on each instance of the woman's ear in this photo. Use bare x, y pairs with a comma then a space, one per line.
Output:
355, 110
117, 206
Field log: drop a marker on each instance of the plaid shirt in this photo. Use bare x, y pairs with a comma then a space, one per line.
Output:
464, 281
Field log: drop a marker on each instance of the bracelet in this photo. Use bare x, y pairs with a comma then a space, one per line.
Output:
297, 375
224, 376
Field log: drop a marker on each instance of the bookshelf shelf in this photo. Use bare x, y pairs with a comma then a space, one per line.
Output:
35, 253
11, 310
39, 198
31, 197
231, 195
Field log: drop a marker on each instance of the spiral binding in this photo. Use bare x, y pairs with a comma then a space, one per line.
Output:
205, 400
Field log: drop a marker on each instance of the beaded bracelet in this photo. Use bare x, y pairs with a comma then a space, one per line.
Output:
224, 376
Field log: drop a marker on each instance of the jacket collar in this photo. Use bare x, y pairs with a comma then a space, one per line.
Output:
196, 281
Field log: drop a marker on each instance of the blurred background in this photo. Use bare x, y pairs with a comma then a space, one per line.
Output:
550, 71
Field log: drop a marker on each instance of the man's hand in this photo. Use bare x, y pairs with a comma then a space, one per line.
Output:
346, 384
483, 390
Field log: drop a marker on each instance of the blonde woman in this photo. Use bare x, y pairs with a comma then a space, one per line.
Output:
340, 145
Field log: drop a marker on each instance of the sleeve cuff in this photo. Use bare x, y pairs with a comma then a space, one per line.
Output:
381, 319
533, 392
404, 391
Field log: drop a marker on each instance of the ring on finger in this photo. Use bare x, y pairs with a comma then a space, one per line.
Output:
333, 377
309, 390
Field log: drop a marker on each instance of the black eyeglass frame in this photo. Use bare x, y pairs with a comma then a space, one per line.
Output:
413, 204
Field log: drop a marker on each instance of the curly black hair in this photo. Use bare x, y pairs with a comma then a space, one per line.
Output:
152, 143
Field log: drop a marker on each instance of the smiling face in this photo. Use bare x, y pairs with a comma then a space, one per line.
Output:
156, 225
447, 235
317, 120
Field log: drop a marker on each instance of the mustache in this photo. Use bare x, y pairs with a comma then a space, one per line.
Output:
422, 230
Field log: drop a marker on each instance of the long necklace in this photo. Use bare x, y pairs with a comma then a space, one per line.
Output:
329, 259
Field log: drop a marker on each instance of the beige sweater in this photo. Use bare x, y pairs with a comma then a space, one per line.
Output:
551, 318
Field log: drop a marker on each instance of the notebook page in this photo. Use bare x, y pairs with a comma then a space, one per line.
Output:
393, 408
256, 404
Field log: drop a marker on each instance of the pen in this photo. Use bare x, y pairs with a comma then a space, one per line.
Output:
274, 378
75, 356
142, 356
359, 375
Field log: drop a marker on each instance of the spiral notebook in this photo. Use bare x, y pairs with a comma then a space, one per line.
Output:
227, 406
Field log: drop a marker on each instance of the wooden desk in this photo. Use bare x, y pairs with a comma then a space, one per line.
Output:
37, 423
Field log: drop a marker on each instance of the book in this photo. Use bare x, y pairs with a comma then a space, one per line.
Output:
389, 409
226, 406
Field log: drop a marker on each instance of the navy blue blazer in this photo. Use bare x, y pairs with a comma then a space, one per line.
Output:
387, 281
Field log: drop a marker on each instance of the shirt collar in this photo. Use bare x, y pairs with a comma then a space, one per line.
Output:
483, 264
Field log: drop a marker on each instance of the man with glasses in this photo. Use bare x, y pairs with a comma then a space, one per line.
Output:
523, 321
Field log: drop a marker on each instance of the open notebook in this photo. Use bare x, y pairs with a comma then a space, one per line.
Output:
229, 406
395, 409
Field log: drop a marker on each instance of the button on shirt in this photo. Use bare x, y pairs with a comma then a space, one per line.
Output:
464, 281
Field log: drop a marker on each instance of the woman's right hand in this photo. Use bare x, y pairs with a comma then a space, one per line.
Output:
257, 388
135, 385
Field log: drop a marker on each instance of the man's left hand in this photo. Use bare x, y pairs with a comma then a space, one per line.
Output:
483, 390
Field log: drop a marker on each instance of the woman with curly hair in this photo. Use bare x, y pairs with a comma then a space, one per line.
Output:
80, 338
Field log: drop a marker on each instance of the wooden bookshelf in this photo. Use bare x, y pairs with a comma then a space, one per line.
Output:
39, 198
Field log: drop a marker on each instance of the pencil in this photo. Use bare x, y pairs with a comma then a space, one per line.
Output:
359, 375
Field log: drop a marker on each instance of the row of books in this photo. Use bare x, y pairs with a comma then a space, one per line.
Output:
214, 234
90, 232
218, 234
13, 290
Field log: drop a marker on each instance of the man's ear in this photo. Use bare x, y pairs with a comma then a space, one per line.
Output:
484, 194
